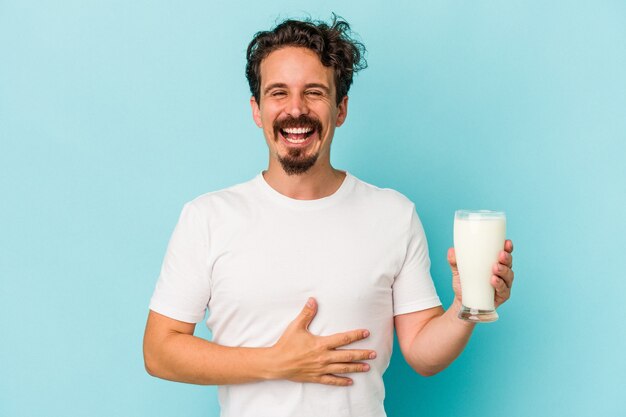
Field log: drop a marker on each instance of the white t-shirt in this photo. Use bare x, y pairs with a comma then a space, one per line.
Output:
253, 256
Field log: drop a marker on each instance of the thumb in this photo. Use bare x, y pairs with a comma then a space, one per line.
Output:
456, 280
452, 261
307, 314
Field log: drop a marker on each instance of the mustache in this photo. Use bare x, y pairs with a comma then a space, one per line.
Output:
301, 121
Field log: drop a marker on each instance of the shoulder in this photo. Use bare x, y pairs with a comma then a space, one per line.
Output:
230, 195
232, 201
385, 208
387, 198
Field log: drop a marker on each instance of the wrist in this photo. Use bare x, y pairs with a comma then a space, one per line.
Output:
456, 305
453, 314
269, 367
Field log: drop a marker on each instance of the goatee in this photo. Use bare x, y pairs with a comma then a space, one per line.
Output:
295, 164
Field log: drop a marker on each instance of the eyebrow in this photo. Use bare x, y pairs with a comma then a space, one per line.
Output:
273, 86
318, 85
283, 85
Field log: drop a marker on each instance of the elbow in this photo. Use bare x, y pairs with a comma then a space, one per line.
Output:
428, 372
149, 367
426, 366
155, 369
150, 362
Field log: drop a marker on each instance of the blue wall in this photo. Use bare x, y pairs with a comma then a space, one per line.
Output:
113, 114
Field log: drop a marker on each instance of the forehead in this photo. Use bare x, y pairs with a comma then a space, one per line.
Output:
295, 66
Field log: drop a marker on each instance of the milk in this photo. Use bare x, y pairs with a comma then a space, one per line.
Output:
478, 239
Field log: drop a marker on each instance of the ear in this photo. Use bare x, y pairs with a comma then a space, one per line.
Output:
256, 112
342, 111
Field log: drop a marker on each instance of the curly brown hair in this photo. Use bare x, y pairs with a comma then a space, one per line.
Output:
331, 42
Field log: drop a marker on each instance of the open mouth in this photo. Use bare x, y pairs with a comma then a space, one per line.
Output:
298, 131
297, 135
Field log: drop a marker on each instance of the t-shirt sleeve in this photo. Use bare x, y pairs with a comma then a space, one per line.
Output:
184, 288
413, 288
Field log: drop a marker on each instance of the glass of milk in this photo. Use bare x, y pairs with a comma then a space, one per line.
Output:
478, 239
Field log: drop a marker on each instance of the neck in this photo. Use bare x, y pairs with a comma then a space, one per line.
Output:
320, 181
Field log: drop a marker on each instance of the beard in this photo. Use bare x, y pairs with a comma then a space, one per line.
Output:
296, 162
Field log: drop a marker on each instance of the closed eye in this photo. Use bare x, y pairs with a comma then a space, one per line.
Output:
315, 93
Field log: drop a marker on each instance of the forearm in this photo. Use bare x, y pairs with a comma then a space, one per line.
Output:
439, 342
172, 352
187, 358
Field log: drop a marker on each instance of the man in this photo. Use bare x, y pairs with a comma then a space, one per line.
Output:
305, 270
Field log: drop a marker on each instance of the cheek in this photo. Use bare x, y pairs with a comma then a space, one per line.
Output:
269, 132
268, 120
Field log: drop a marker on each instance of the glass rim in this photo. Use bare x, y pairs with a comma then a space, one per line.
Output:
479, 214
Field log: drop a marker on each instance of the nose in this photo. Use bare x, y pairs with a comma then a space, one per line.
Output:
297, 106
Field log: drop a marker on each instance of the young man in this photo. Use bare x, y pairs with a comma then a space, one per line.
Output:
305, 269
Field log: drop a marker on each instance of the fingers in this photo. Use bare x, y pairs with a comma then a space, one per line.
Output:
347, 356
307, 314
347, 368
452, 257
503, 292
305, 357
342, 339
505, 258
335, 369
339, 381
504, 273
452, 262
508, 246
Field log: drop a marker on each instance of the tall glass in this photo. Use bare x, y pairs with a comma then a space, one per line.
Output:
478, 239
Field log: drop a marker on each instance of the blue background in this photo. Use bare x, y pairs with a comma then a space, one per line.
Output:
113, 114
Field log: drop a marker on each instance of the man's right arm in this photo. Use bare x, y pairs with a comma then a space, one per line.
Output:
172, 352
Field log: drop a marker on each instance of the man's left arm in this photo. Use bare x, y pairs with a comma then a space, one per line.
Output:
431, 339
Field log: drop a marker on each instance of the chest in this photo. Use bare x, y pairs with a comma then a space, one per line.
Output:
264, 269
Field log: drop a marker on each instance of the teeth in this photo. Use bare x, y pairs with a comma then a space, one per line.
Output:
290, 140
298, 130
